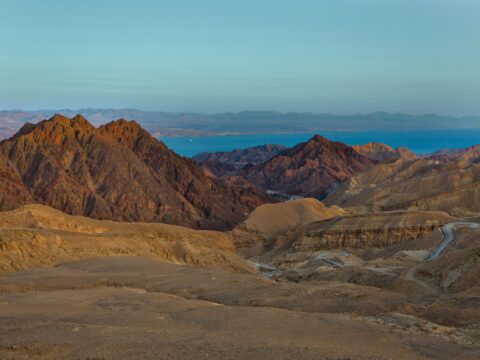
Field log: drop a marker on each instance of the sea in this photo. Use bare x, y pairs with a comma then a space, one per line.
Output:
420, 142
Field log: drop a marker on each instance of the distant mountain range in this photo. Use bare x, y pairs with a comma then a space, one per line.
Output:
246, 122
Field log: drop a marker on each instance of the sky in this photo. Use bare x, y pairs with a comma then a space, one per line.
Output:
337, 56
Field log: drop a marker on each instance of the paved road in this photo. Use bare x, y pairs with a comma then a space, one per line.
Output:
333, 263
270, 271
449, 237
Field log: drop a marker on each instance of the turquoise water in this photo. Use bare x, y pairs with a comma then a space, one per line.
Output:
421, 142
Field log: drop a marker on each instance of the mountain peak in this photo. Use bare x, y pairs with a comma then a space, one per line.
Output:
80, 121
124, 125
319, 138
59, 118
25, 129
56, 129
125, 131
312, 168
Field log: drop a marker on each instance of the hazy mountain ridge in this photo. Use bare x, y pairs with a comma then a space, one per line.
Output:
245, 122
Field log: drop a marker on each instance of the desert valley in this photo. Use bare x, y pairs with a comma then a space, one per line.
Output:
112, 246
244, 180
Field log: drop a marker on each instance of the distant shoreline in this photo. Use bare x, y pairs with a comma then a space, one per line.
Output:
421, 142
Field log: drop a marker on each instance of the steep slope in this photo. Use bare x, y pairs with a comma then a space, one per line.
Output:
12, 189
406, 153
37, 235
118, 172
450, 186
369, 230
228, 162
312, 168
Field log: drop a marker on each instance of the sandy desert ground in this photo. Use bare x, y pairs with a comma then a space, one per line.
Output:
73, 287
135, 307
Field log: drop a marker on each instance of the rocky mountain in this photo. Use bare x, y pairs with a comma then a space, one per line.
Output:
313, 168
228, 162
383, 153
117, 171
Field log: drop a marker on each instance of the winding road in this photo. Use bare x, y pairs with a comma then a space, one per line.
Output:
449, 237
271, 271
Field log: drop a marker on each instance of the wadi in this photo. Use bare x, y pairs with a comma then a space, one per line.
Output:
112, 246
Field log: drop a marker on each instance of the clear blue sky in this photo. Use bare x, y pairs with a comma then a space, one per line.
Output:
340, 56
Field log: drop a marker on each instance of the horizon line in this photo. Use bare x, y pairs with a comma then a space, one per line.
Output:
243, 111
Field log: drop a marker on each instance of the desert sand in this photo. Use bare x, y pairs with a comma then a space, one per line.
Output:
74, 287
124, 307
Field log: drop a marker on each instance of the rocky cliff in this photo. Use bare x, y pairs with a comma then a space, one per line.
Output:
369, 230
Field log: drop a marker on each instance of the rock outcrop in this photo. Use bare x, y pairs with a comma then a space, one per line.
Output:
369, 230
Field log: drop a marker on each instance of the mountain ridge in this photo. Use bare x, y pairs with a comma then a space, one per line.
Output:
312, 168
117, 171
246, 122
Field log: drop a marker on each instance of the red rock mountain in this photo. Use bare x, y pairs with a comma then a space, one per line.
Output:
117, 171
312, 168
